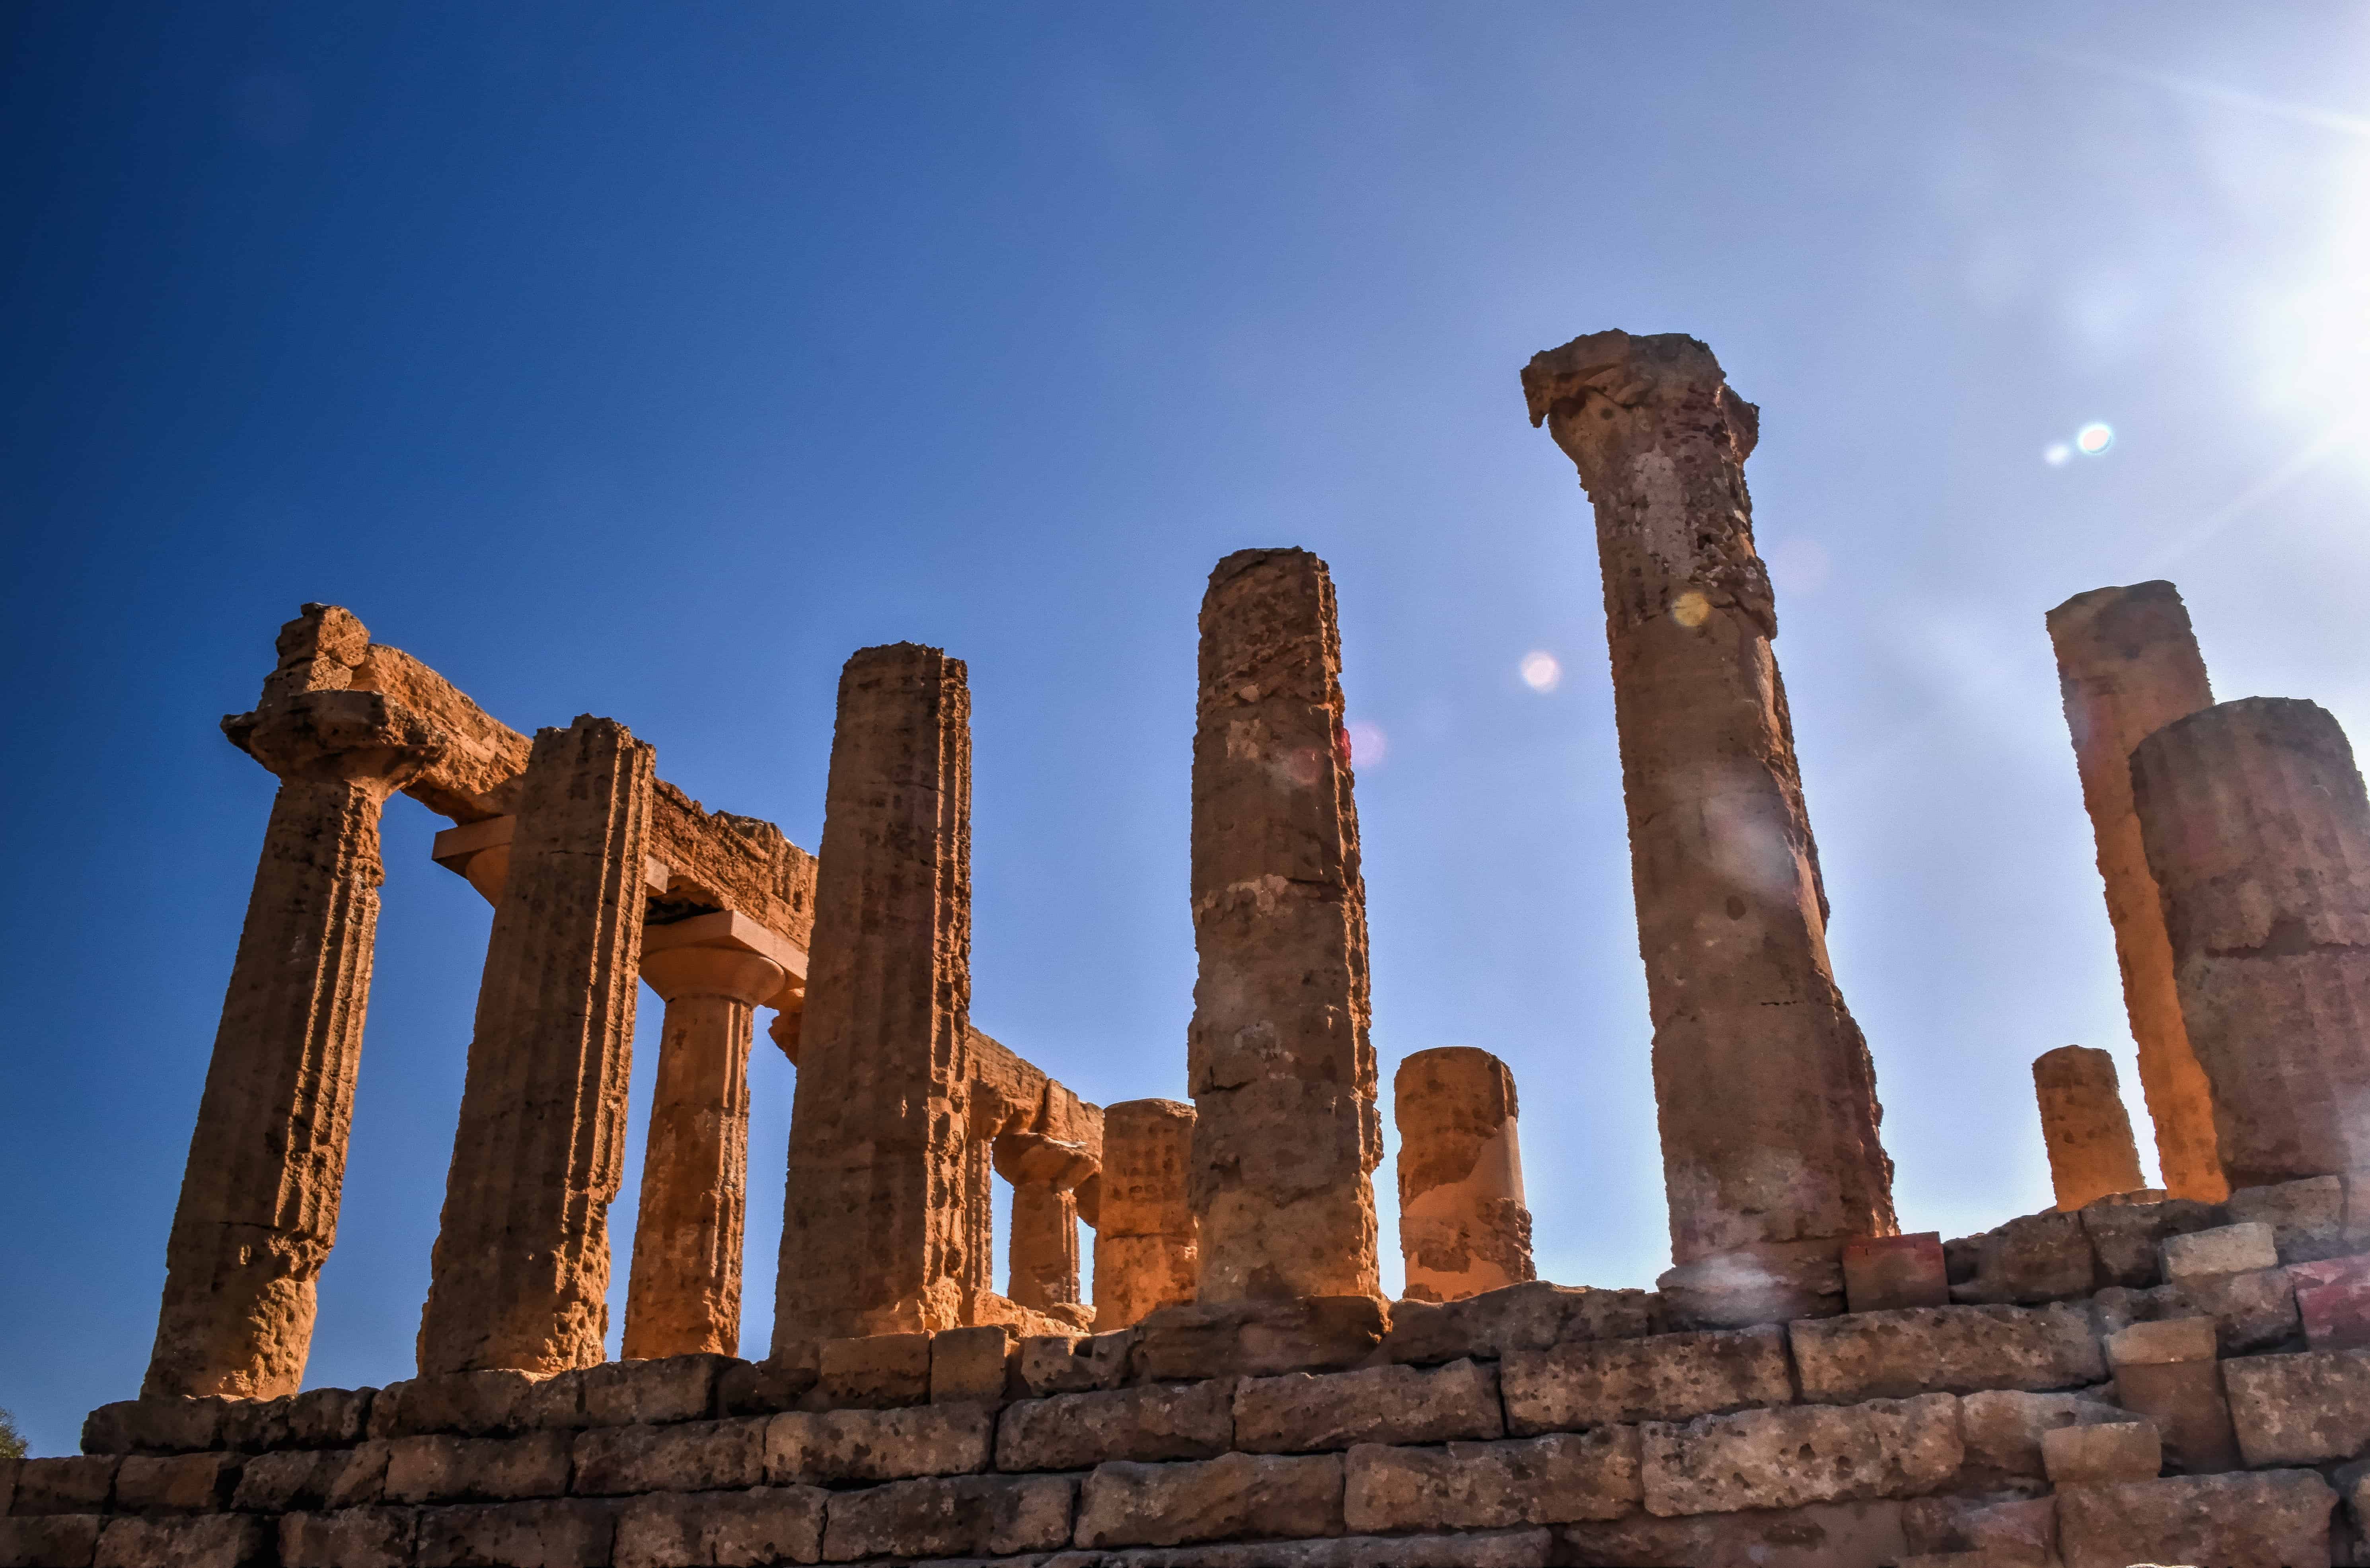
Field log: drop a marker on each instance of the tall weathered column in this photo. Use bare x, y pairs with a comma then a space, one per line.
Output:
683, 1294
1045, 1174
258, 1207
520, 1277
873, 1233
2256, 830
1765, 1093
2083, 1124
1147, 1251
1463, 1225
1278, 1056
2128, 666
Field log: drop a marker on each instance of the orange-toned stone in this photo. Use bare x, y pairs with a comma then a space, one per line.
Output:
1147, 1252
1463, 1225
2088, 1133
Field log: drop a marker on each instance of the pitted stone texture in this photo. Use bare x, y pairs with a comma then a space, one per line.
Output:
762, 1387
2016, 1532
74, 1484
2300, 1410
1147, 1245
559, 1534
1062, 1365
308, 1479
1278, 1056
2128, 664
699, 1456
1300, 1413
970, 1365
1229, 1498
2225, 1250
2003, 1429
2031, 1260
2333, 1301
1473, 1549
956, 1516
1496, 1324
880, 1124
2277, 1519
1463, 1225
2258, 833
2251, 1311
155, 1427
350, 1538
1784, 1459
1188, 1420
1835, 1534
468, 1404
1764, 1086
1667, 1377
2127, 1239
874, 1371
2167, 1372
1948, 1350
1220, 1339
50, 1540
2085, 1126
2102, 1454
845, 1445
475, 1470
1889, 1273
675, 1387
177, 1484
2307, 1218
217, 1540
1539, 1481
520, 1277
722, 1529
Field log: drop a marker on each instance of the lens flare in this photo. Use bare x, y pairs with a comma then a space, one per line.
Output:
2057, 453
2094, 438
1541, 673
1368, 745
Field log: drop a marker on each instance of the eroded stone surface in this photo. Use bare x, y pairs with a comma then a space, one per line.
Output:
2102, 1453
1537, 1481
2003, 1429
1496, 1324
697, 1456
1188, 1421
475, 1470
2300, 1410
843, 1445
1300, 1413
1222, 1339
1463, 1225
2085, 1126
949, 1516
1667, 1377
1952, 1350
217, 1540
1147, 1244
1784, 1459
1839, 1534
2126, 1239
1237, 1497
2278, 1520
765, 1525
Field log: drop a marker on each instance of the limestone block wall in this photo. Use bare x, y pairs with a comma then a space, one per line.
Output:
1534, 1424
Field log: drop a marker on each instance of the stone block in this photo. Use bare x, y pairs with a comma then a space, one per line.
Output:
1664, 1377
2157, 1341
844, 1445
329, 1418
2003, 1429
1785, 1459
475, 1470
75, 1484
460, 1404
2225, 1250
210, 1540
1532, 1316
2333, 1302
1067, 1364
873, 1372
1833, 1535
952, 1516
721, 1529
50, 1540
349, 1538
2165, 1371
574, 1532
666, 1390
1145, 1425
1472, 1548
1950, 1350
176, 1483
2037, 1258
2127, 1239
360, 1479
2306, 1217
2251, 1311
1302, 1413
1889, 1273
970, 1365
2274, 1519
2105, 1454
2017, 1530
1228, 1498
1222, 1339
281, 1484
1532, 1480
1765, 1282
695, 1456
154, 1426
2307, 1408
765, 1388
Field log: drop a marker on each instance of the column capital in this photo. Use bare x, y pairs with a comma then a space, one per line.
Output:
363, 738
1035, 1159
747, 978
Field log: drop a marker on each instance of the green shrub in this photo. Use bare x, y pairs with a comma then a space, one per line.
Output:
12, 1442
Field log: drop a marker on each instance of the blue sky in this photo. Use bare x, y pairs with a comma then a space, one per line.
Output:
646, 360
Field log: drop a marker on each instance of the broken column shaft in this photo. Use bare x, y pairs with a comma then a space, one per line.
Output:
2083, 1122
2256, 829
2128, 666
874, 1239
520, 1277
1278, 1055
1463, 1225
1765, 1093
1147, 1250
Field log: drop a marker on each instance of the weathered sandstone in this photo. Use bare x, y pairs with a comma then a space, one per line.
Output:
1147, 1249
2084, 1126
1463, 1225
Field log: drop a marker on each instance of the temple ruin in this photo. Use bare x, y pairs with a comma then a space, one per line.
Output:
2173, 1374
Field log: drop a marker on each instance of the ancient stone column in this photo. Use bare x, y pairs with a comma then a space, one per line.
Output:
683, 1294
1762, 1083
259, 1205
2256, 830
2128, 666
1045, 1174
1463, 1228
2085, 1126
1278, 1056
520, 1277
1147, 1251
874, 1239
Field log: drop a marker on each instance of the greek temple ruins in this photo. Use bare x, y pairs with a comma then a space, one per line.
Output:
2174, 1374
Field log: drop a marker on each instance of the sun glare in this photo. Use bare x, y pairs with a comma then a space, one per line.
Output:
1541, 673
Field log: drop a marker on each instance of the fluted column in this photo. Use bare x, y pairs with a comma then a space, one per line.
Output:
2128, 666
258, 1207
520, 1277
1147, 1248
1045, 1174
2257, 831
1463, 1224
1762, 1083
2083, 1122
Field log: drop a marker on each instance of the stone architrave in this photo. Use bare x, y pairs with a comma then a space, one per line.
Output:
1463, 1225
1045, 1174
874, 1239
2128, 666
2083, 1122
1147, 1252
2257, 831
1762, 1083
259, 1205
520, 1277
1279, 1058
683, 1294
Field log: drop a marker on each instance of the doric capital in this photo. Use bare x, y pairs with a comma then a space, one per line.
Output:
744, 977
1035, 1159
355, 737
1596, 393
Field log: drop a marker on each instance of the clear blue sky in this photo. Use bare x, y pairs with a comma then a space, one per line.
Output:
646, 360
